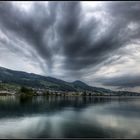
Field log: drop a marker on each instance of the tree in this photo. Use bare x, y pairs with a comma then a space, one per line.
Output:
27, 91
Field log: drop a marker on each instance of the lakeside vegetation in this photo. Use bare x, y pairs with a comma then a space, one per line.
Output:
24, 91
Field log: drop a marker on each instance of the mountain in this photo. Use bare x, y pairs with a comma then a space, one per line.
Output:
20, 78
84, 87
33, 80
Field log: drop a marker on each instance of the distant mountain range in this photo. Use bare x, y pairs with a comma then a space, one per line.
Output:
37, 81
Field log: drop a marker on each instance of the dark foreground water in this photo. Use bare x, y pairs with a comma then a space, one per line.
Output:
71, 117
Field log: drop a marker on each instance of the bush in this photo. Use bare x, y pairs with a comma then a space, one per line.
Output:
26, 90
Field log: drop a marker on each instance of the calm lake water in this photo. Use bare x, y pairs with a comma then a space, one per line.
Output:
70, 117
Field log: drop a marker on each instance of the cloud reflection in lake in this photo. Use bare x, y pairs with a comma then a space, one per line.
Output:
59, 117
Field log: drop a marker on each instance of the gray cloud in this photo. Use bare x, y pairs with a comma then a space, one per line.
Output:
63, 29
30, 28
80, 46
121, 81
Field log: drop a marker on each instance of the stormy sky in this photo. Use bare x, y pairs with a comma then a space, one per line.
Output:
95, 42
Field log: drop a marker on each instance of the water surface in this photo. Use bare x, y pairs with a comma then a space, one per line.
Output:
69, 117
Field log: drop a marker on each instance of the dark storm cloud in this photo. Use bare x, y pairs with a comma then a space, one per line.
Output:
62, 28
121, 81
126, 13
30, 28
78, 37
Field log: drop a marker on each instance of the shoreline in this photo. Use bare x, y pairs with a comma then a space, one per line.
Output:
103, 96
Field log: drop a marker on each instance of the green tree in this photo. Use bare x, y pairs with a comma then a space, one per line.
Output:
26, 91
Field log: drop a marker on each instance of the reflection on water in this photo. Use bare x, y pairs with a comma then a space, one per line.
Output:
70, 117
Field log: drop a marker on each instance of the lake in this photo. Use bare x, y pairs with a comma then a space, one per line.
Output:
69, 117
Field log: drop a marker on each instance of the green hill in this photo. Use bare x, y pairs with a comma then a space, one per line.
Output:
19, 78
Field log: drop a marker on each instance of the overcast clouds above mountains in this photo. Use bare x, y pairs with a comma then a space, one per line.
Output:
96, 42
